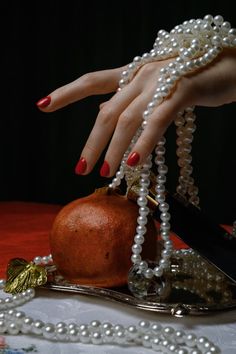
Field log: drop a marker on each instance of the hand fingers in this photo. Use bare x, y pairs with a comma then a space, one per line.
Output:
102, 104
128, 123
159, 121
104, 127
99, 82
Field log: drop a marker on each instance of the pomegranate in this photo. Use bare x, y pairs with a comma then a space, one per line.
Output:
91, 239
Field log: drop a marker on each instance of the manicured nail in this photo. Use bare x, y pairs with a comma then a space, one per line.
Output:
44, 102
105, 169
133, 159
81, 166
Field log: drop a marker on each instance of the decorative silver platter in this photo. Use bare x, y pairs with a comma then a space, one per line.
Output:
193, 287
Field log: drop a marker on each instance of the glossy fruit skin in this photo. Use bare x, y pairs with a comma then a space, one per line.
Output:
91, 240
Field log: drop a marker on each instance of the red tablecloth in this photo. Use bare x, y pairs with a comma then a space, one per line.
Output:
24, 230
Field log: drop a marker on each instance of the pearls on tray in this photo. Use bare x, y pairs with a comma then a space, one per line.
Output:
146, 334
191, 45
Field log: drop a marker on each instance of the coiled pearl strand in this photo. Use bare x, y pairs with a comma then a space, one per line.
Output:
145, 334
192, 45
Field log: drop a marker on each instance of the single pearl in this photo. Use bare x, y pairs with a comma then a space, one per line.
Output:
179, 337
142, 201
141, 230
132, 332
158, 271
37, 327
148, 273
27, 325
12, 328
218, 20
143, 265
135, 258
146, 341
84, 336
108, 336
120, 337
190, 340
19, 316
73, 335
96, 338
208, 18
136, 249
139, 239
61, 333
37, 260
49, 331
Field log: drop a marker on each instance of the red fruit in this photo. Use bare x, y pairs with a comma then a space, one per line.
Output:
91, 240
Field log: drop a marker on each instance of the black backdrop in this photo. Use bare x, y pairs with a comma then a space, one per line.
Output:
48, 44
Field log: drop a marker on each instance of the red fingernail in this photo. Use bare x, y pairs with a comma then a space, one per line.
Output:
44, 102
105, 169
133, 159
81, 166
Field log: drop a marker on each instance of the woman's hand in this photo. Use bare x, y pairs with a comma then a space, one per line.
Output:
120, 117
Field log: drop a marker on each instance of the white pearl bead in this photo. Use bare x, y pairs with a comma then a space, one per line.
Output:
84, 337
156, 328
37, 327
12, 328
146, 341
139, 239
73, 335
190, 340
143, 265
141, 230
48, 331
218, 20
156, 344
27, 325
19, 317
160, 197
148, 273
158, 271
179, 336
132, 332
96, 338
142, 201
183, 351
208, 18
165, 226
135, 258
136, 249
143, 211
120, 337
61, 333
37, 260
108, 336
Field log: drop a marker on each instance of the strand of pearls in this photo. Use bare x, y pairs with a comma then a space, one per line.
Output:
185, 128
145, 334
192, 45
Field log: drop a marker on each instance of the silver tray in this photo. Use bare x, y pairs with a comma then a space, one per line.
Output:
195, 287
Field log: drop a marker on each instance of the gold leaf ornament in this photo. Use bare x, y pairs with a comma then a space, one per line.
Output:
22, 275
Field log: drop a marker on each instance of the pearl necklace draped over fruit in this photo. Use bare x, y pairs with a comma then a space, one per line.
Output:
191, 45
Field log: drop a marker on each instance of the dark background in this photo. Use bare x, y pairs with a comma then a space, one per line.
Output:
47, 44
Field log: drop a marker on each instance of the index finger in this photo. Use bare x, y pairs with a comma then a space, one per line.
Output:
99, 82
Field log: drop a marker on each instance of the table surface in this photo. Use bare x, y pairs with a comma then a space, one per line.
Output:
23, 234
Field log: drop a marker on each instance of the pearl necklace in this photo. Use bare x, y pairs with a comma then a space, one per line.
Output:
192, 45
145, 334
